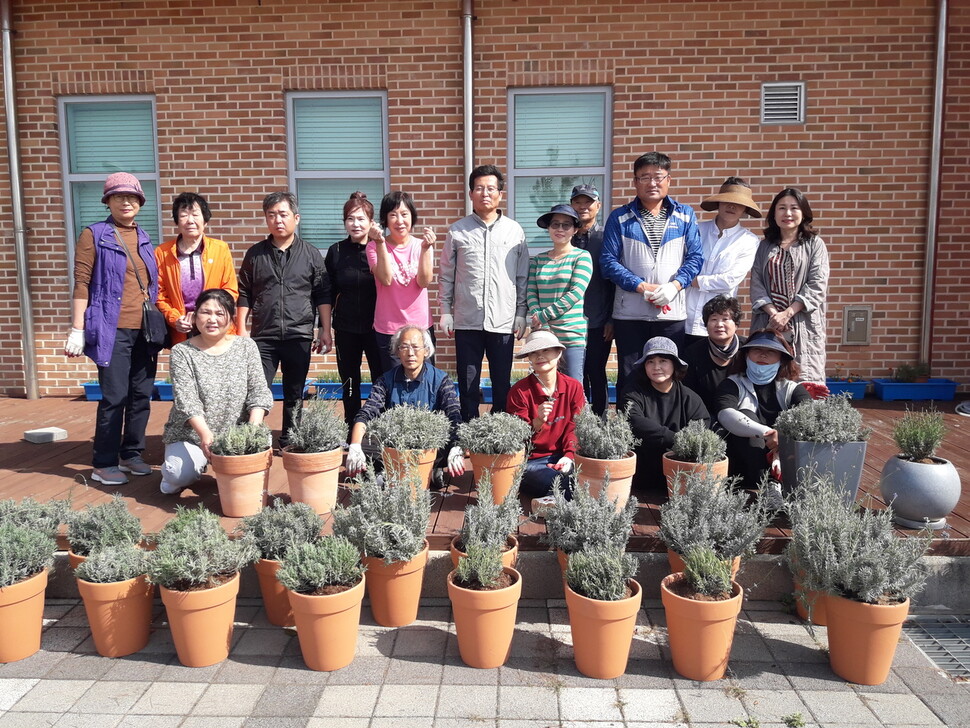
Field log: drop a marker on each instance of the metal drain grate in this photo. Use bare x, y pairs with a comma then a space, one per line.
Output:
945, 640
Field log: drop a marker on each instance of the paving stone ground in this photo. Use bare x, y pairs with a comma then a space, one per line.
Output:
412, 677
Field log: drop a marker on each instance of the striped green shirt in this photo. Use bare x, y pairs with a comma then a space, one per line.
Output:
556, 290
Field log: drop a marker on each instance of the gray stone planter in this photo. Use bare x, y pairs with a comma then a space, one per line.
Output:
844, 460
921, 493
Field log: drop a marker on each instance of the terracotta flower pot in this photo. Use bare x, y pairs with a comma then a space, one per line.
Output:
75, 560
201, 622
804, 597
400, 462
485, 621
120, 614
700, 633
313, 476
395, 589
509, 555
602, 631
275, 595
242, 481
502, 469
21, 617
563, 558
671, 467
863, 638
594, 472
676, 563
327, 626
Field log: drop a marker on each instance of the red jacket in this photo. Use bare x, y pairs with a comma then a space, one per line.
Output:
217, 268
559, 434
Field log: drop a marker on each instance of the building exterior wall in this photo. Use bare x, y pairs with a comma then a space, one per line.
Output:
686, 80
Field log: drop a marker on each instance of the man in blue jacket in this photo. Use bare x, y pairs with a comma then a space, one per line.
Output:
651, 251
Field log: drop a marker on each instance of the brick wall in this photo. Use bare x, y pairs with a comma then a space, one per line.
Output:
686, 80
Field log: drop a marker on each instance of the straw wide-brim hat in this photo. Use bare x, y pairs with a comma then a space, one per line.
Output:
732, 193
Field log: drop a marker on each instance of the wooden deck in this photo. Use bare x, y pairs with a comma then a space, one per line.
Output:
61, 469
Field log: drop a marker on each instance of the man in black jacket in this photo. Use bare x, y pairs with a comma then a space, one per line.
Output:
283, 283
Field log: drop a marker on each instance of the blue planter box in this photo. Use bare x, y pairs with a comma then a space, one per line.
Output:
334, 390
92, 391
163, 391
857, 390
941, 389
611, 393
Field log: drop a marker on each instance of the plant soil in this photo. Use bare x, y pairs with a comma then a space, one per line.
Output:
212, 583
331, 589
681, 588
503, 582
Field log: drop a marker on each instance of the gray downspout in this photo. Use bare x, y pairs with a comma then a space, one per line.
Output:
467, 17
933, 206
17, 202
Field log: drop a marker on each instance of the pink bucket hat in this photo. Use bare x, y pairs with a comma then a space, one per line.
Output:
122, 183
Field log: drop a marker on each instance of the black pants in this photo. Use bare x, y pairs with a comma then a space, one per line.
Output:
126, 395
389, 360
633, 334
292, 357
350, 347
594, 370
470, 348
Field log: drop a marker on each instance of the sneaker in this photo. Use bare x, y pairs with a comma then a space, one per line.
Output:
109, 476
543, 506
135, 466
170, 489
438, 479
773, 497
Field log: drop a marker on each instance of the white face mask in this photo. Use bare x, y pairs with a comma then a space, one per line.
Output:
762, 373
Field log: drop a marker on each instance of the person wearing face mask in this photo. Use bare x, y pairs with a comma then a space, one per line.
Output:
762, 382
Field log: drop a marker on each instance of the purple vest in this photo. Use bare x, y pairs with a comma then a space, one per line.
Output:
107, 286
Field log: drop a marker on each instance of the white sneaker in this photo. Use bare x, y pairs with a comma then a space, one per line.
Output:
542, 506
169, 488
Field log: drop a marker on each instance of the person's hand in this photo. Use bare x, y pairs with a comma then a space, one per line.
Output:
356, 461
774, 465
564, 465
535, 323
456, 461
779, 320
74, 346
427, 238
184, 323
664, 294
375, 232
518, 328
205, 442
608, 331
323, 343
446, 324
695, 284
771, 439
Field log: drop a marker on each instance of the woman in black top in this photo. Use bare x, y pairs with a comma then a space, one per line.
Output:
354, 296
708, 359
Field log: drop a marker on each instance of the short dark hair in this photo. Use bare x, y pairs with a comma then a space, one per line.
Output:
788, 369
486, 170
722, 304
805, 229
736, 181
359, 201
274, 198
652, 159
188, 200
223, 298
393, 200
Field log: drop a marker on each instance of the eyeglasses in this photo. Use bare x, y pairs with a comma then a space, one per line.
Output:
410, 348
561, 226
657, 180
485, 190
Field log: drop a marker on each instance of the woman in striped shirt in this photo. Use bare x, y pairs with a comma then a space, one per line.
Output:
557, 285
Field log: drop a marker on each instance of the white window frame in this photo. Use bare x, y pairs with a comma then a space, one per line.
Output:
68, 177
605, 171
295, 175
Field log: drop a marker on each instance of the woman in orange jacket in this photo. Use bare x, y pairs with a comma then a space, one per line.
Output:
190, 264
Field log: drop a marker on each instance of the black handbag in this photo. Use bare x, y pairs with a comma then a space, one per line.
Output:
153, 326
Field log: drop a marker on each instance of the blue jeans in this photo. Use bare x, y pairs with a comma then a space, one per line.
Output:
594, 370
470, 347
538, 478
572, 362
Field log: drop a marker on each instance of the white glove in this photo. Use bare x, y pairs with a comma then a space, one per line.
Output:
74, 346
355, 459
665, 294
564, 465
518, 328
446, 324
456, 461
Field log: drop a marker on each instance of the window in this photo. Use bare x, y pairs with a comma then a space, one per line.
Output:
783, 103
101, 135
338, 144
559, 138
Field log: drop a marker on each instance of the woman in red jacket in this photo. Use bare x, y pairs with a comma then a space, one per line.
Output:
190, 264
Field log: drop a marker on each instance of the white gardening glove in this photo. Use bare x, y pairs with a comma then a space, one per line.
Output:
665, 294
446, 324
356, 461
518, 328
564, 465
74, 346
456, 461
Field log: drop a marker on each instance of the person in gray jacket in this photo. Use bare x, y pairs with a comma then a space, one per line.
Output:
484, 278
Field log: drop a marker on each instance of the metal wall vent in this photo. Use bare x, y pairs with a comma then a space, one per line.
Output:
783, 103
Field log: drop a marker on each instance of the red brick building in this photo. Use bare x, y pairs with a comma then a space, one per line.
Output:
233, 99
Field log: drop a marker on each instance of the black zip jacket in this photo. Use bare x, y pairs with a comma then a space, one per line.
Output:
352, 287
